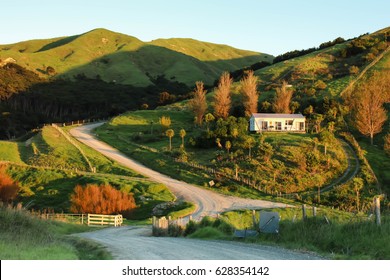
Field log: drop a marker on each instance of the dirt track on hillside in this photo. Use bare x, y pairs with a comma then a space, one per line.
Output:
208, 203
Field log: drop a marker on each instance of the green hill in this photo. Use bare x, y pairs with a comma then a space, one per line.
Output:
127, 60
332, 65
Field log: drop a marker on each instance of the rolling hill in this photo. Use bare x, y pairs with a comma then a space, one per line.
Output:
127, 60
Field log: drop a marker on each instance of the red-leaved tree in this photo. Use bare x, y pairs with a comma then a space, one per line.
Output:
100, 200
8, 188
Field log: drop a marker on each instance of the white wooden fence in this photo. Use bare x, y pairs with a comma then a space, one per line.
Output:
104, 220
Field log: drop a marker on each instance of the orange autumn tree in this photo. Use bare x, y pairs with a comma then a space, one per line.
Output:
102, 199
8, 188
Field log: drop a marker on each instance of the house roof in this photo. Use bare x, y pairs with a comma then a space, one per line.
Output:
277, 116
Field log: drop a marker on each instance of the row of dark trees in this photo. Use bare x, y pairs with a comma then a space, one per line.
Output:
26, 100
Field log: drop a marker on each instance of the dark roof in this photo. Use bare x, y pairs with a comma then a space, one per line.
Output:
278, 116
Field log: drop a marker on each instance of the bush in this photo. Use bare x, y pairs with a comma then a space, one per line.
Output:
190, 228
8, 188
100, 200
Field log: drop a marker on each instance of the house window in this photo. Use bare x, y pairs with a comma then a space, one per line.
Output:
278, 125
289, 122
301, 126
264, 125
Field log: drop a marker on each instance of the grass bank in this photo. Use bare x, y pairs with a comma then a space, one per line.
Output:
24, 237
346, 236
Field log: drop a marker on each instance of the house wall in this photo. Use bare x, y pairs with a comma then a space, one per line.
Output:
276, 124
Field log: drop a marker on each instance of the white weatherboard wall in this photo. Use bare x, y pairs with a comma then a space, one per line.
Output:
277, 122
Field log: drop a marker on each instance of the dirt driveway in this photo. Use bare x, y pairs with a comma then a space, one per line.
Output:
208, 203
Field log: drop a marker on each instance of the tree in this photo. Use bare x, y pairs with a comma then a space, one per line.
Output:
283, 99
8, 187
327, 138
370, 115
208, 119
165, 98
317, 119
102, 199
165, 122
248, 143
182, 135
353, 70
222, 99
198, 103
218, 142
228, 146
250, 93
170, 133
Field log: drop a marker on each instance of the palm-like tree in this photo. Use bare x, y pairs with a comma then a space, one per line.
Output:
182, 135
170, 133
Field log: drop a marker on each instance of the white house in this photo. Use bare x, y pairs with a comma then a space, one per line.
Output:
277, 122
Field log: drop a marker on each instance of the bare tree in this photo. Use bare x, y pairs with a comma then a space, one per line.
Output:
198, 103
250, 93
370, 115
222, 99
283, 99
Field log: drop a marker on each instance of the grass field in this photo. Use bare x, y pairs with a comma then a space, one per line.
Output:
24, 237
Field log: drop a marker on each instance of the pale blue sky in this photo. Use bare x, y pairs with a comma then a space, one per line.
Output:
270, 26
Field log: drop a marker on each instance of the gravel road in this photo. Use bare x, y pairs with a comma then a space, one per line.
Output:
136, 243
208, 203
133, 242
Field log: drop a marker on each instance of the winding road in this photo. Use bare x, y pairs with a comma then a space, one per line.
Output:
136, 242
208, 203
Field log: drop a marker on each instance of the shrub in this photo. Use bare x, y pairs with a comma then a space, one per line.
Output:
100, 200
8, 188
190, 228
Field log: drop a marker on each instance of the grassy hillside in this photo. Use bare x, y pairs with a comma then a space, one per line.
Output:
127, 60
140, 135
331, 65
24, 237
58, 168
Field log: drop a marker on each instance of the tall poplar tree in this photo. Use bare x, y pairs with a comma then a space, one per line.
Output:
222, 99
250, 93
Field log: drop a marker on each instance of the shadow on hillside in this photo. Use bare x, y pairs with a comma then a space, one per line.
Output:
106, 86
144, 65
58, 43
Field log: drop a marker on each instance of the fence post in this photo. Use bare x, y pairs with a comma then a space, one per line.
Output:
304, 212
254, 219
314, 211
377, 203
88, 219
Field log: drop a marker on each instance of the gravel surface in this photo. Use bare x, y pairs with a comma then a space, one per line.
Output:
208, 203
136, 243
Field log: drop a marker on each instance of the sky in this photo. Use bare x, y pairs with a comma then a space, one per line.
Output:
271, 26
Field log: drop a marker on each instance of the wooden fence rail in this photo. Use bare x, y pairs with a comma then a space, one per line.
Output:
104, 220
